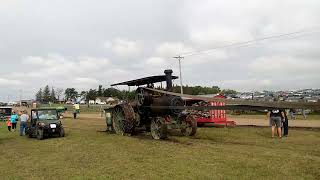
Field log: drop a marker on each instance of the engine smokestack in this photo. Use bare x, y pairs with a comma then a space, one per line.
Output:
168, 73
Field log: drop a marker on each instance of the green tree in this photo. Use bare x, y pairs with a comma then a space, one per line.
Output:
129, 95
83, 95
46, 94
70, 94
39, 95
59, 92
100, 91
112, 92
53, 96
91, 95
228, 92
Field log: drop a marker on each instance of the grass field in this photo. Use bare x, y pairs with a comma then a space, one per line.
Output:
214, 153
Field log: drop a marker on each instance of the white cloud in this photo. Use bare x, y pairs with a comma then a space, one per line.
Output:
212, 23
284, 64
86, 80
156, 61
124, 47
170, 49
9, 82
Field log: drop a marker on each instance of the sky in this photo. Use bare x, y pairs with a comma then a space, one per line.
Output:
84, 43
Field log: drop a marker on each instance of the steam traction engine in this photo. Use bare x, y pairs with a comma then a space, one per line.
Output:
152, 110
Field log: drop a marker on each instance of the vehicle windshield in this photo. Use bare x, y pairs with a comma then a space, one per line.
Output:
47, 115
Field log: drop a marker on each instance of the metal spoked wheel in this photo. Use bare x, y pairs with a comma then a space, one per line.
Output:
188, 125
158, 129
123, 119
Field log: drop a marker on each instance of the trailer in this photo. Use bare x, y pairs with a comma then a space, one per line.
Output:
5, 113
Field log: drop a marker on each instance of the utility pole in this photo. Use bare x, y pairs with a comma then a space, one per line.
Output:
179, 59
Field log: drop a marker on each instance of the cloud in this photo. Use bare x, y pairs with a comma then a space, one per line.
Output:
86, 80
124, 47
9, 82
214, 23
171, 49
155, 61
284, 65
58, 65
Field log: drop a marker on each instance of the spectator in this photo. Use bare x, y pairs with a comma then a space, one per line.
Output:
23, 122
303, 111
9, 124
14, 118
275, 116
292, 114
76, 110
285, 125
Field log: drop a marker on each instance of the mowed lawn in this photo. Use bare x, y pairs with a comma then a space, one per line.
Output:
214, 153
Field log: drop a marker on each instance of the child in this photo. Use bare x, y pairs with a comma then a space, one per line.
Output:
14, 118
9, 124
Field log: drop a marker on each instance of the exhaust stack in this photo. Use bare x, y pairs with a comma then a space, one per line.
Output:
168, 73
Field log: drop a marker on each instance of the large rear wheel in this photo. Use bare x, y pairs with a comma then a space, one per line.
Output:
123, 119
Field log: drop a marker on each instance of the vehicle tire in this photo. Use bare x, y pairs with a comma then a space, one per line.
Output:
30, 133
40, 134
158, 129
188, 126
61, 134
123, 119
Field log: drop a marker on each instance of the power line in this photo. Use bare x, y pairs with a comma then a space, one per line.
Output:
291, 35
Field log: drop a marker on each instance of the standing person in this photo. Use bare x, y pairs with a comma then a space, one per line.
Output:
76, 110
285, 125
14, 118
304, 114
9, 124
275, 116
23, 122
292, 114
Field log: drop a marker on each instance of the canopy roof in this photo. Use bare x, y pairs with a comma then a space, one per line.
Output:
145, 80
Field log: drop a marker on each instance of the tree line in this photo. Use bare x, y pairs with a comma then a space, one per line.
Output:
48, 94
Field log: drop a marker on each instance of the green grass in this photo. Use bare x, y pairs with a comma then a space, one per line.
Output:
214, 153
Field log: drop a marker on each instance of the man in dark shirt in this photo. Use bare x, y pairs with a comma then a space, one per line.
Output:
285, 125
275, 116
